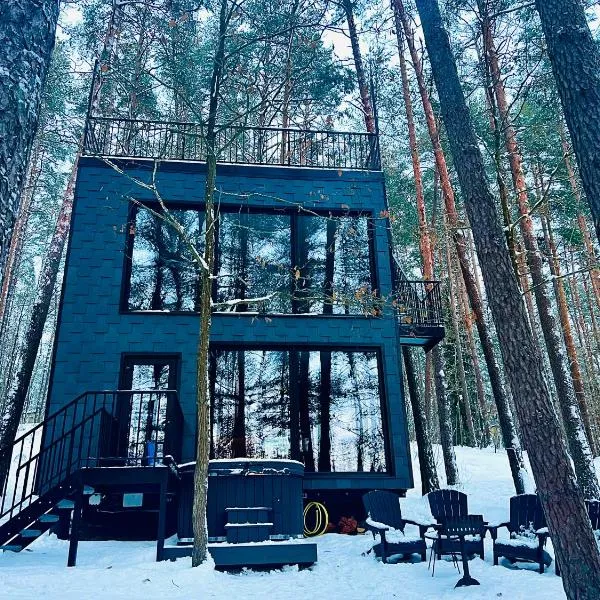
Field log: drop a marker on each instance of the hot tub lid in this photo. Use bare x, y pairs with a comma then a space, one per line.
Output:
249, 466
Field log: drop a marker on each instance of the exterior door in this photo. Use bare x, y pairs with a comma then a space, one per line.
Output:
146, 411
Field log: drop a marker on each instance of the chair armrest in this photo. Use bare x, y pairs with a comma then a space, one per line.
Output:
542, 536
423, 526
376, 526
420, 523
493, 529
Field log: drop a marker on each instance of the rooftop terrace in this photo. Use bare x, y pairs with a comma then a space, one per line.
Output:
171, 140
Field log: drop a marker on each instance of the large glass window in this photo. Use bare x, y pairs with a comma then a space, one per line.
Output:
254, 261
320, 407
333, 267
162, 273
278, 262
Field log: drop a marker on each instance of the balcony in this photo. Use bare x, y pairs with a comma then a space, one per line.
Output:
167, 140
418, 305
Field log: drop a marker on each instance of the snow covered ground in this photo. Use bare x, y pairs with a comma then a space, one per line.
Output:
114, 570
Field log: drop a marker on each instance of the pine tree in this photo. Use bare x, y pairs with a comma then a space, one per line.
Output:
575, 59
27, 32
561, 497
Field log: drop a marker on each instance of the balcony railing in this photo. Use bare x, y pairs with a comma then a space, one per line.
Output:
165, 140
417, 302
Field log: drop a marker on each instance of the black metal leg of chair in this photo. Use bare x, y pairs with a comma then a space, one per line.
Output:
455, 561
432, 555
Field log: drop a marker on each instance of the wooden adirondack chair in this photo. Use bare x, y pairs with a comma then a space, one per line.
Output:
528, 531
385, 515
593, 509
445, 504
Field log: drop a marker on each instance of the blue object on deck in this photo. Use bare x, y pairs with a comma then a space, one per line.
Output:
151, 452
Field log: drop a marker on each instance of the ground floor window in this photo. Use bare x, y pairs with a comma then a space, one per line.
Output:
322, 407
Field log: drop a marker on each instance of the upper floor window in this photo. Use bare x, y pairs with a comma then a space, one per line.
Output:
274, 262
162, 273
254, 260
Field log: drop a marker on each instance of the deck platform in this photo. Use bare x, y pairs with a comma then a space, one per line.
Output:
254, 555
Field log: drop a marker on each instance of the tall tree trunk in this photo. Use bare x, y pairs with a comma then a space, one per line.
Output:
465, 401
574, 414
444, 416
429, 477
507, 426
563, 311
561, 497
363, 86
238, 442
581, 221
324, 461
205, 273
308, 456
429, 408
17, 239
467, 316
27, 33
31, 342
575, 60
294, 411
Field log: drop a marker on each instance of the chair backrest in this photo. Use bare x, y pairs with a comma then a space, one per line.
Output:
526, 511
384, 507
593, 509
465, 525
447, 503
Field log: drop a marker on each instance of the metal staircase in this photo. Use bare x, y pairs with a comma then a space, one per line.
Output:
97, 429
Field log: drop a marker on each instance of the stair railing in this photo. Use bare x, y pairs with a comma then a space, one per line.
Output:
105, 428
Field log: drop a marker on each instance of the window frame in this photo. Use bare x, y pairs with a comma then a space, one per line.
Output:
127, 269
390, 467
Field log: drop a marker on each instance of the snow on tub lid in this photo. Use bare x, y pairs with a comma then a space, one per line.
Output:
241, 466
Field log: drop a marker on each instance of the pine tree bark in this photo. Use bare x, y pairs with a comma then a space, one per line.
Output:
465, 400
575, 60
33, 337
444, 416
363, 86
575, 415
16, 242
507, 426
581, 221
563, 311
27, 30
429, 477
467, 316
560, 495
324, 460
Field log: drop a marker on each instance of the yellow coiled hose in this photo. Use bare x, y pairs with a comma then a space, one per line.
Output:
321, 519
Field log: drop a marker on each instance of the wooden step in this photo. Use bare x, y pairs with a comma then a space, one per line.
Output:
239, 533
31, 533
65, 505
11, 548
249, 514
270, 555
49, 518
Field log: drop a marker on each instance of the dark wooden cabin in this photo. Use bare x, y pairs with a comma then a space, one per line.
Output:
310, 373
